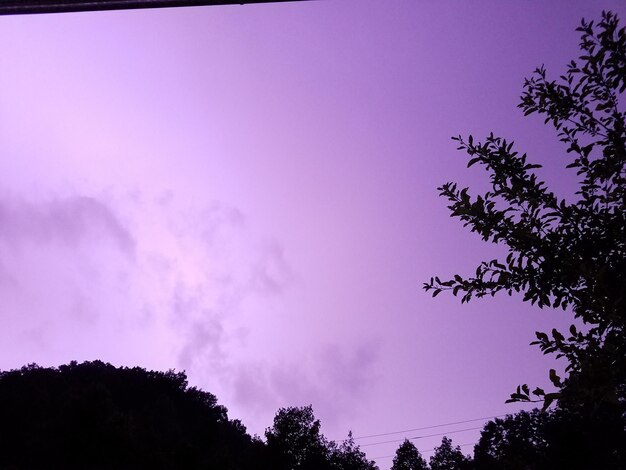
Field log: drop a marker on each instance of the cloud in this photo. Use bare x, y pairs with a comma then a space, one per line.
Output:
350, 371
336, 380
212, 224
156, 282
204, 340
219, 270
61, 221
270, 273
65, 263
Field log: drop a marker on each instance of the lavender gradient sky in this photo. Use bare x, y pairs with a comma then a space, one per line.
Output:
248, 193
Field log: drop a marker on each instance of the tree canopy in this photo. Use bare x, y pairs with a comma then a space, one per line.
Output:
447, 457
94, 415
408, 458
295, 439
295, 442
550, 440
568, 254
516, 442
348, 456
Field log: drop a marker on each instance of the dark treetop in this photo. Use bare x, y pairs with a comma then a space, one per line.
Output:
97, 416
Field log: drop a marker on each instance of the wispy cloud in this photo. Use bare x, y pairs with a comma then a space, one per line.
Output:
334, 379
63, 260
185, 285
270, 272
217, 268
62, 221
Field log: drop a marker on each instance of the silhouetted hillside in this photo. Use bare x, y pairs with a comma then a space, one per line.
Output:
97, 416
94, 415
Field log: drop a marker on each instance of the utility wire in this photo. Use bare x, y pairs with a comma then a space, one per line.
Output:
428, 427
421, 437
22, 7
424, 451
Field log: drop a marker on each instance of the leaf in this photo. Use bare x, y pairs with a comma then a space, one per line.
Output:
517, 397
557, 335
557, 250
554, 378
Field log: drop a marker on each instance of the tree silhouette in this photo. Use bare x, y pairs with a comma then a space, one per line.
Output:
517, 442
408, 458
96, 416
295, 440
348, 456
555, 440
447, 457
568, 254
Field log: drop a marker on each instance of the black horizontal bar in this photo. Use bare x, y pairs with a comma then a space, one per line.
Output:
23, 7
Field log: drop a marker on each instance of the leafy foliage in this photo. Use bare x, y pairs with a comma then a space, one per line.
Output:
295, 439
408, 458
295, 442
94, 415
447, 457
555, 440
348, 456
562, 254
517, 442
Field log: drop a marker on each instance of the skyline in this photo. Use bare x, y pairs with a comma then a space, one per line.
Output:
249, 194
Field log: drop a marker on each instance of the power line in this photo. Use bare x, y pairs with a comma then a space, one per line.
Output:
424, 451
21, 7
421, 437
428, 427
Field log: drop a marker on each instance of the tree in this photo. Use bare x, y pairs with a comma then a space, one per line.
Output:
408, 458
348, 456
562, 253
517, 442
447, 457
550, 440
94, 415
295, 440
97, 416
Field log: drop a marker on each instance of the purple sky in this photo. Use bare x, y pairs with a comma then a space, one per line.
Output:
248, 193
